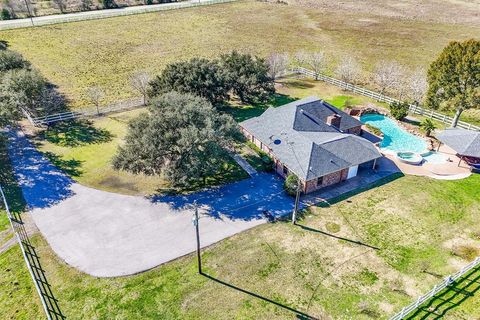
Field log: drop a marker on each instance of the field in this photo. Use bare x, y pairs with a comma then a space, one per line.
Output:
310, 269
78, 55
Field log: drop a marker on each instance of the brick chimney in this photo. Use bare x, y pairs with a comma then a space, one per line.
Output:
334, 120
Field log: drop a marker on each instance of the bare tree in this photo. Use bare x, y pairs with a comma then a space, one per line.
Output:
61, 5
388, 75
278, 64
140, 82
317, 61
418, 86
348, 69
300, 58
96, 95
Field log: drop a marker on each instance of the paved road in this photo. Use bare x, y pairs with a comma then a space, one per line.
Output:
100, 14
107, 235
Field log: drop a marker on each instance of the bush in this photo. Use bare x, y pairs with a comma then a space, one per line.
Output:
374, 130
291, 185
10, 60
399, 110
5, 15
428, 126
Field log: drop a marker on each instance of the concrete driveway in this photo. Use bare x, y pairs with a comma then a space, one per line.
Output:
108, 235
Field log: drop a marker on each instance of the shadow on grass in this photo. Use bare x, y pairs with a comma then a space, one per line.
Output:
230, 172
337, 237
451, 297
70, 167
299, 314
12, 190
243, 112
297, 84
76, 133
345, 196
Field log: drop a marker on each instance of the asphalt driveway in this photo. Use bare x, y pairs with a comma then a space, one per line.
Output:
106, 234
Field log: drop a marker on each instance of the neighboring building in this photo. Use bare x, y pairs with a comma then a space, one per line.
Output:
313, 140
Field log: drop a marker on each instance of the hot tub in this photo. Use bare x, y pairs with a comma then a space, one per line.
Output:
409, 157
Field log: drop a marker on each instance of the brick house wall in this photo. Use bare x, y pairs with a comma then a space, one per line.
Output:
328, 180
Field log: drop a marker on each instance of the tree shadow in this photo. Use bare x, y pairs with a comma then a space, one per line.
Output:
70, 167
298, 84
12, 190
3, 45
76, 133
337, 237
242, 112
451, 297
299, 314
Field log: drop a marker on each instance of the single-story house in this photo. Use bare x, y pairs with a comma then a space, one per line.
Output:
312, 139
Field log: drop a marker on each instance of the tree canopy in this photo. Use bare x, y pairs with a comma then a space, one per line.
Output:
200, 77
182, 137
247, 77
454, 78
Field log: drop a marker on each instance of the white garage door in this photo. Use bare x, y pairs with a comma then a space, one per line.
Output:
352, 172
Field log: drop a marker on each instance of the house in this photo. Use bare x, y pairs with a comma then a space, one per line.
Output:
313, 140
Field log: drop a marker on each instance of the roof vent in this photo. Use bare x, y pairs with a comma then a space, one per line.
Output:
277, 141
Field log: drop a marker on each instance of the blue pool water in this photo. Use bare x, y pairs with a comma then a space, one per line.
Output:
394, 137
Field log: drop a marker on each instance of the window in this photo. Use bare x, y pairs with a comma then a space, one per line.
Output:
319, 181
285, 170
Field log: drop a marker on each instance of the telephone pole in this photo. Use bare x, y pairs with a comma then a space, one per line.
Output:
29, 12
197, 232
297, 199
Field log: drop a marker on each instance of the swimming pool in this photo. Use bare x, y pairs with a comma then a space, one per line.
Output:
397, 139
394, 137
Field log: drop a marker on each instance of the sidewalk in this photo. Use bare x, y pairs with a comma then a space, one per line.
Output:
101, 14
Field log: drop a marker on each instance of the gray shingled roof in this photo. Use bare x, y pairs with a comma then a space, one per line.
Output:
299, 137
464, 142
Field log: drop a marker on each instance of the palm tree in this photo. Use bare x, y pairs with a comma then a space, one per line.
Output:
428, 125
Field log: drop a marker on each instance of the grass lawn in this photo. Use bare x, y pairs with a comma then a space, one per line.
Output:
422, 234
78, 55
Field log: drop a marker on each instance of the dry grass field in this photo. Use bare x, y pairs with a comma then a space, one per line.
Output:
107, 52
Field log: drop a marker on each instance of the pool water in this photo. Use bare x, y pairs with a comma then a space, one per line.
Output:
434, 157
394, 137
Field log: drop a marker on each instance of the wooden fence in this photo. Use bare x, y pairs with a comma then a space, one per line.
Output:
436, 289
48, 300
383, 98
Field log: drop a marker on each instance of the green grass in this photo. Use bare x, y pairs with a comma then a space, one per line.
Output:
415, 229
78, 55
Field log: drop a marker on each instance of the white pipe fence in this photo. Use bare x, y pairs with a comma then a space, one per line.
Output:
383, 98
436, 289
90, 112
48, 300
104, 13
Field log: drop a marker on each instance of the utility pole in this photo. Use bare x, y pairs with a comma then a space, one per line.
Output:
197, 231
297, 199
29, 12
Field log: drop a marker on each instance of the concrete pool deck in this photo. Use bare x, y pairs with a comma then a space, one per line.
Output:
450, 170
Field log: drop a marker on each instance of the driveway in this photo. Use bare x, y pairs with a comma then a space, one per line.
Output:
107, 235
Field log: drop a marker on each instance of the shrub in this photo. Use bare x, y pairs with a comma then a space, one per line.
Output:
291, 184
428, 126
10, 60
374, 130
399, 110
5, 15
